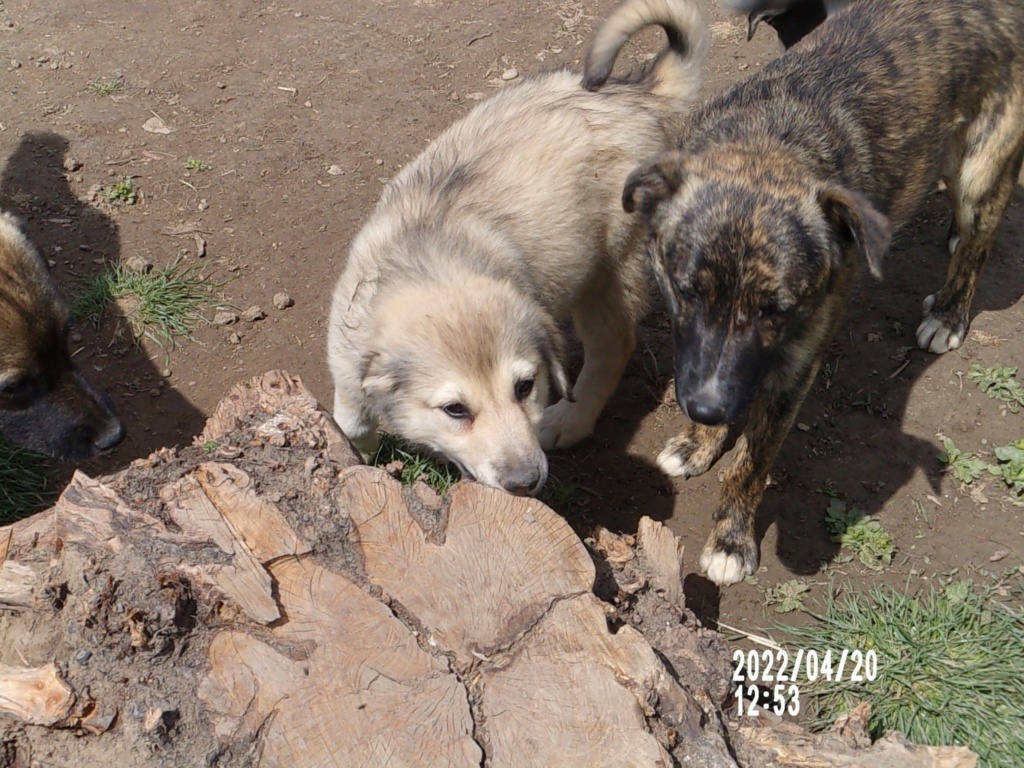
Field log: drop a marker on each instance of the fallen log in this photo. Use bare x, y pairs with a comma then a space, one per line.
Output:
260, 598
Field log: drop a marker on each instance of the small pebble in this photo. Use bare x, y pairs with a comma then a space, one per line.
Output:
166, 373
803, 427
83, 656
72, 163
138, 264
234, 338
283, 301
225, 318
154, 392
76, 337
510, 74
253, 313
335, 170
378, 161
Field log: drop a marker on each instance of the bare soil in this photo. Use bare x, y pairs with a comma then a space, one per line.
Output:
301, 111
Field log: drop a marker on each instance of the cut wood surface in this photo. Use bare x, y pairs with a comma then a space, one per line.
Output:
260, 599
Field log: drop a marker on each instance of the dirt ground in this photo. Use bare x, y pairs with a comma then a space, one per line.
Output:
301, 111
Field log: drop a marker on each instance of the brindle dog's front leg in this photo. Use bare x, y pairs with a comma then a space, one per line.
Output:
731, 552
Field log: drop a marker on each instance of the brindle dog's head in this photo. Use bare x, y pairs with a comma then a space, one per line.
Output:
46, 404
753, 259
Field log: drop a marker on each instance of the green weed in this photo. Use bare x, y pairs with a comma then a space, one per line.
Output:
950, 667
105, 87
413, 465
860, 533
121, 192
1000, 383
788, 596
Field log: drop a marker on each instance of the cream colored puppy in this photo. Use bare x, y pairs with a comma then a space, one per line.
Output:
444, 324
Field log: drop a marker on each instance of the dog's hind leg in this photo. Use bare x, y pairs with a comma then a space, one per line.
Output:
605, 324
987, 177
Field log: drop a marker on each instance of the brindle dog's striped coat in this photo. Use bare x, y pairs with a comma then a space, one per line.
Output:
786, 182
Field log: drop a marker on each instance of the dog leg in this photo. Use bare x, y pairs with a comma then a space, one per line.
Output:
731, 552
693, 451
987, 177
606, 327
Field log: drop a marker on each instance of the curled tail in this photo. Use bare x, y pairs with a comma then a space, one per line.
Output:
676, 72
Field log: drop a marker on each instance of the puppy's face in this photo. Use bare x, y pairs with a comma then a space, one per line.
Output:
467, 375
46, 404
752, 261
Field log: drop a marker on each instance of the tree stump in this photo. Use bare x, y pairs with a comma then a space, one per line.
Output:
259, 598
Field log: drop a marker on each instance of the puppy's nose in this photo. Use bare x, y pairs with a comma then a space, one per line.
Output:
110, 435
526, 482
704, 411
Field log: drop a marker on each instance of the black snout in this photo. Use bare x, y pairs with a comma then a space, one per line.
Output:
707, 411
110, 435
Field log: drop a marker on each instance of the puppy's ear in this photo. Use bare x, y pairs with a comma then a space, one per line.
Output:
380, 374
856, 221
650, 185
552, 349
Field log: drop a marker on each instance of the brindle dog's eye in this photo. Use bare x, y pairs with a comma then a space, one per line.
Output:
770, 312
456, 410
523, 389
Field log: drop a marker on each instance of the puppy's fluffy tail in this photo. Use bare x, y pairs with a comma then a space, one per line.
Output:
675, 74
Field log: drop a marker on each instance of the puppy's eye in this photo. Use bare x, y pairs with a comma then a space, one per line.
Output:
456, 410
770, 312
523, 389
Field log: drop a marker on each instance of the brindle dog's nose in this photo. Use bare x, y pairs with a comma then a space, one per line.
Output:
706, 411
110, 435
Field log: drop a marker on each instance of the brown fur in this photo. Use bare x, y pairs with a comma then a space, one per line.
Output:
791, 179
45, 402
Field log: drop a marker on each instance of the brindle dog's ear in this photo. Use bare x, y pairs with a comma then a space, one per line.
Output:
852, 216
652, 184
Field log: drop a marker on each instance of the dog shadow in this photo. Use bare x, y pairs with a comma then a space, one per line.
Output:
607, 479
850, 439
79, 240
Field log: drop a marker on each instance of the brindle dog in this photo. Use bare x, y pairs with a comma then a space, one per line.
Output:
785, 183
46, 404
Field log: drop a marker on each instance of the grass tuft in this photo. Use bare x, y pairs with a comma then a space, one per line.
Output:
411, 465
107, 86
159, 304
26, 480
950, 667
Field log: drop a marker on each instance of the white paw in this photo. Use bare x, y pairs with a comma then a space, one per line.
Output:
724, 569
563, 425
936, 337
670, 462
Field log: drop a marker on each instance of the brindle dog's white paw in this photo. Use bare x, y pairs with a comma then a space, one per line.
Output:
724, 569
934, 335
672, 463
563, 425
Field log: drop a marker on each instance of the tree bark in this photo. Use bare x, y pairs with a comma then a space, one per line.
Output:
259, 598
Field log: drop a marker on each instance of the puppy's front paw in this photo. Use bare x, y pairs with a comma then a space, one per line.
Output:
725, 565
693, 451
564, 424
940, 331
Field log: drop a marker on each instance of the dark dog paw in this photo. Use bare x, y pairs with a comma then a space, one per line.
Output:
693, 451
730, 555
942, 329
